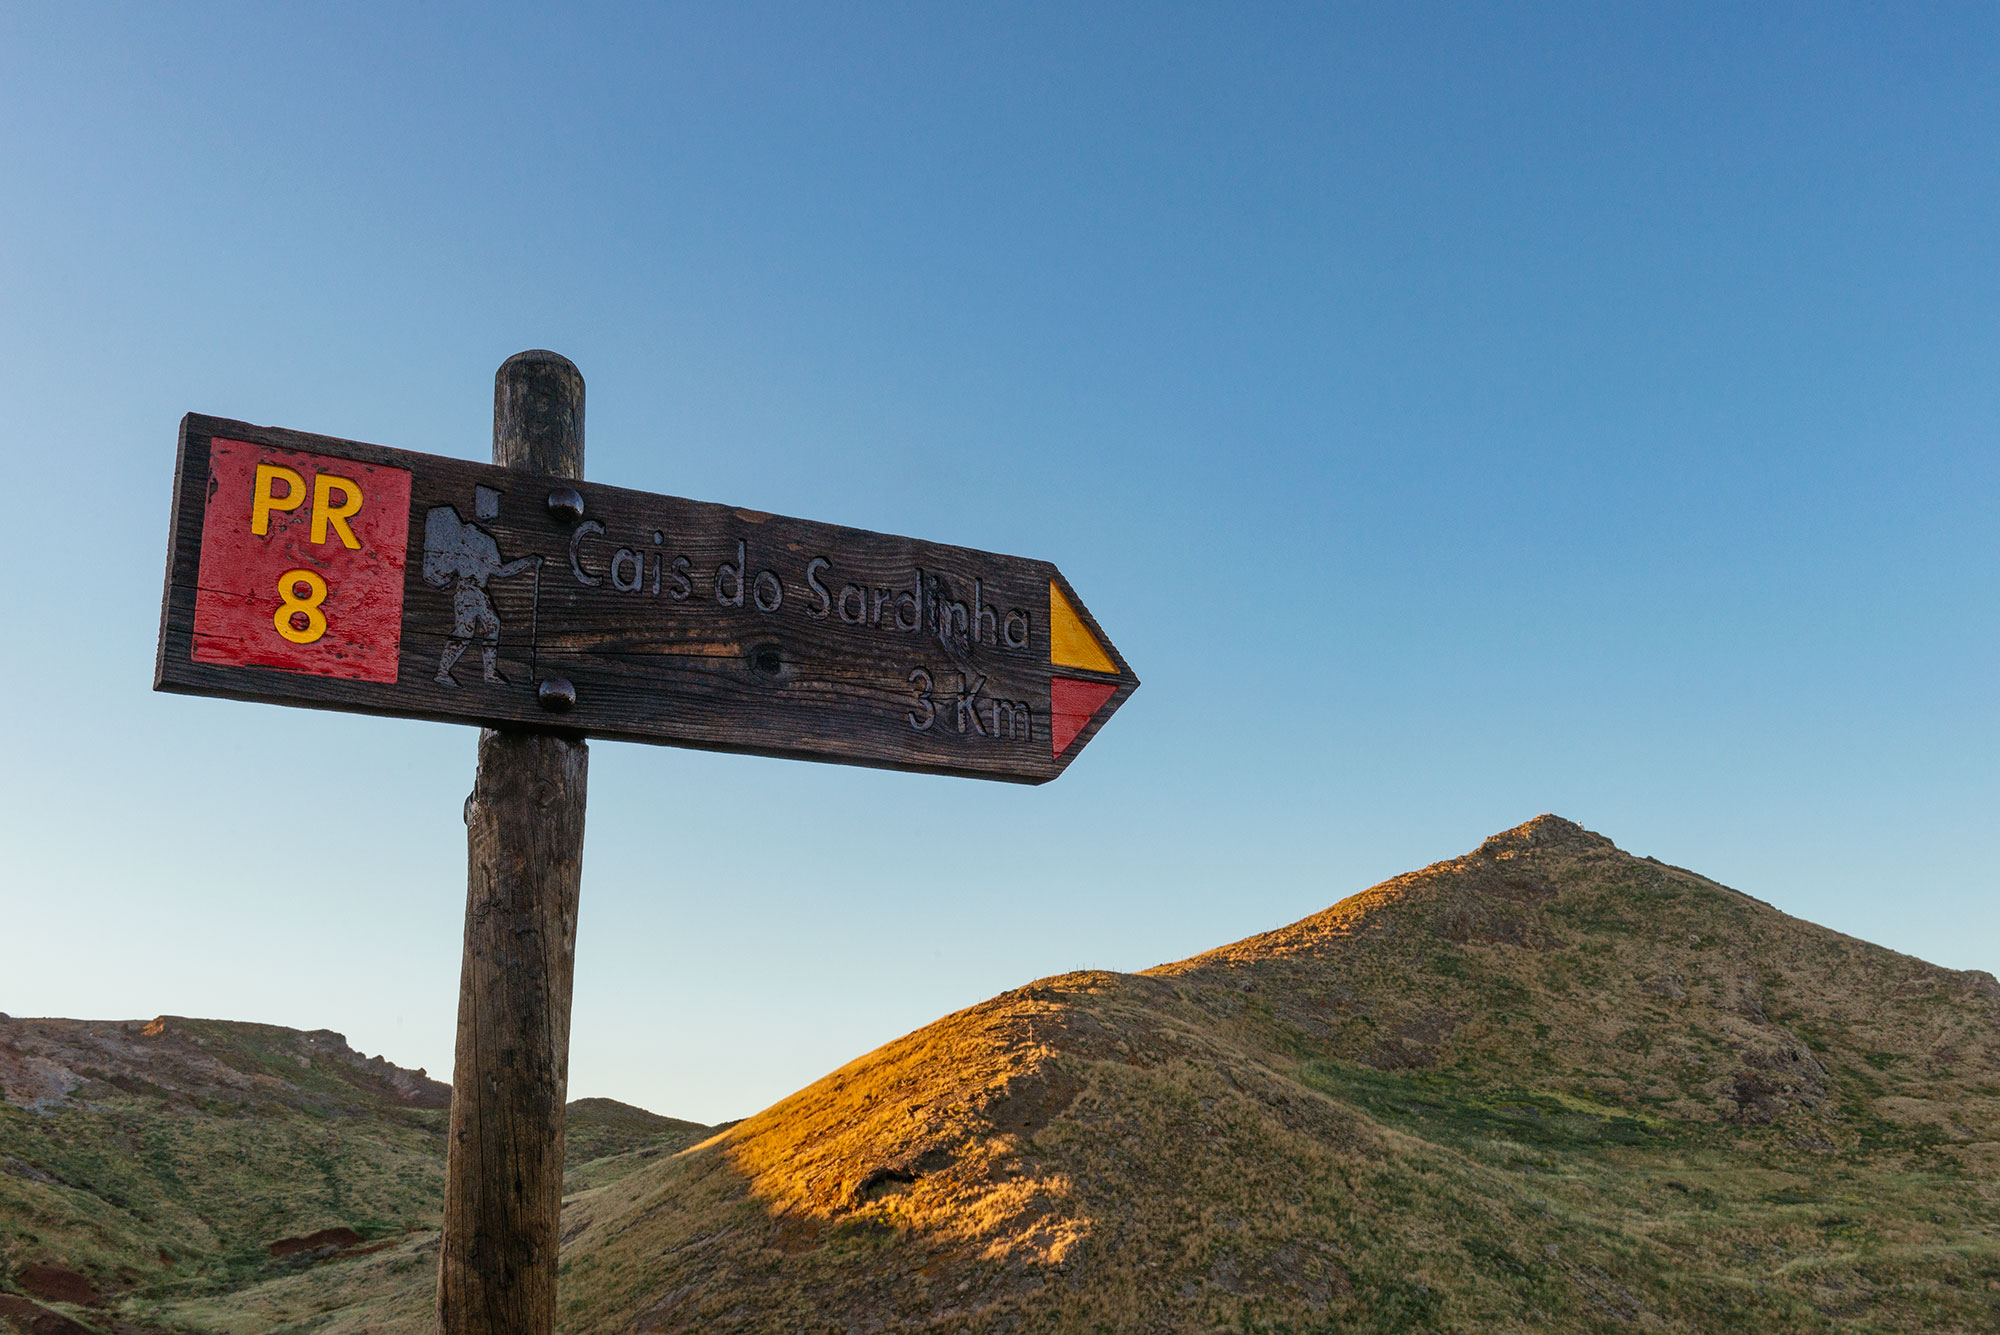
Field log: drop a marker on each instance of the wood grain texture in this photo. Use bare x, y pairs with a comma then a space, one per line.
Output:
524, 836
510, 1078
693, 624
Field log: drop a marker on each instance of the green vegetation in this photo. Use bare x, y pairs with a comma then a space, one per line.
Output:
1546, 1086
158, 1163
1449, 1110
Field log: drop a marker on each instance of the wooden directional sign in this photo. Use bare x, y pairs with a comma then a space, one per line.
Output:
306, 570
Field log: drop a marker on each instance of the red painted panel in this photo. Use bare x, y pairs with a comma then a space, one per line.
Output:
346, 600
1071, 705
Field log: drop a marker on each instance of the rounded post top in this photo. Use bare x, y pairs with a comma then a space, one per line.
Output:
540, 355
538, 414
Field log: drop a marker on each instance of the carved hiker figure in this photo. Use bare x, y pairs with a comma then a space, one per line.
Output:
464, 556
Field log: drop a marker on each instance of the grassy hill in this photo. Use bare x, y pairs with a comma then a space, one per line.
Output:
1547, 1085
1544, 1086
184, 1159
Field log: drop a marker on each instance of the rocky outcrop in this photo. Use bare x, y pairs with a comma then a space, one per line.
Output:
48, 1063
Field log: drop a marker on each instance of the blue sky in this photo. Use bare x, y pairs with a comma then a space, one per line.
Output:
1453, 412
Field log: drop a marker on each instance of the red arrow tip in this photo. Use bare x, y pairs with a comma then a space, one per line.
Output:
1072, 704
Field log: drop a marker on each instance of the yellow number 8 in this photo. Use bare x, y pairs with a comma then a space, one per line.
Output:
293, 606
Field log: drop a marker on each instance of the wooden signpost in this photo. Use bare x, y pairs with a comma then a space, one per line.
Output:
308, 570
327, 573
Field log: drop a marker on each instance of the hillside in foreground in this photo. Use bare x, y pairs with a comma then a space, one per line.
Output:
1543, 1086
1547, 1085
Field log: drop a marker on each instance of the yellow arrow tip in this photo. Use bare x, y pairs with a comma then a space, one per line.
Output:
1070, 642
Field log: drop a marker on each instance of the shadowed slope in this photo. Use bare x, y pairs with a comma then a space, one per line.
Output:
145, 1164
174, 1152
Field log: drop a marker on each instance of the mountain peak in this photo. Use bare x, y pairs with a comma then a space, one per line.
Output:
1436, 1104
1544, 831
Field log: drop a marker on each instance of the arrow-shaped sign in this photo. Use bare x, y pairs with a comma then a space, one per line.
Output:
306, 570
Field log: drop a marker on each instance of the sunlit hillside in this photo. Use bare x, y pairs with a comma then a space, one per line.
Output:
1544, 1086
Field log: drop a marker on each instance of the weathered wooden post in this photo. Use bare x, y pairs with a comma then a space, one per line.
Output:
524, 836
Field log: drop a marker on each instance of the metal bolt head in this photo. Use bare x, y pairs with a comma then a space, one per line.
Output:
556, 694
566, 505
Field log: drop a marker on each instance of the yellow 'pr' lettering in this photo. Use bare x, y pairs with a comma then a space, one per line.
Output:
324, 485
262, 502
294, 606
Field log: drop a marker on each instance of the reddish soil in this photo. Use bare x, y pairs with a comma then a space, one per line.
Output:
54, 1284
328, 1240
36, 1319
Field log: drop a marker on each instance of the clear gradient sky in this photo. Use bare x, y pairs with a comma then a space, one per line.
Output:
1454, 413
